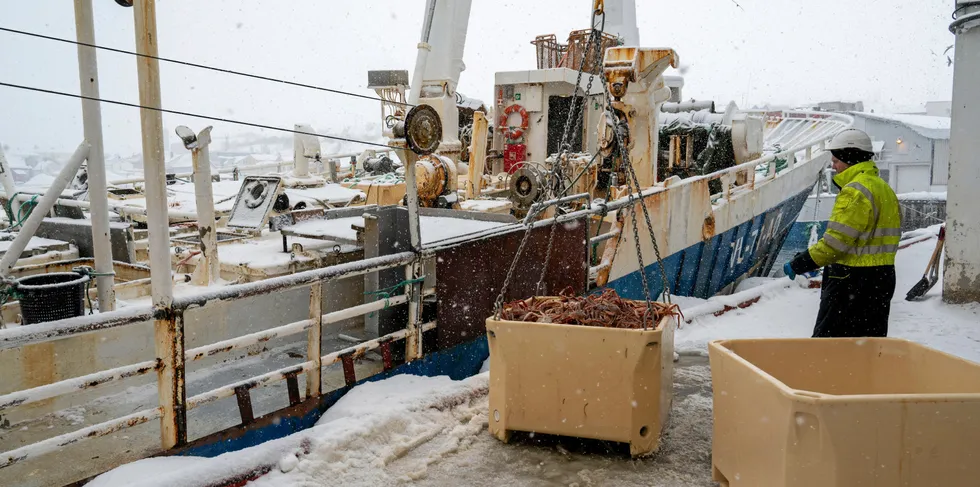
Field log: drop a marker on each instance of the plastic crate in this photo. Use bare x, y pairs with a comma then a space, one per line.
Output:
843, 412
587, 382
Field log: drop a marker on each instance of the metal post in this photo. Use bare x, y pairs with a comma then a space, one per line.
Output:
88, 76
961, 277
43, 207
413, 343
6, 177
478, 156
301, 165
170, 387
421, 59
315, 333
210, 269
413, 340
332, 170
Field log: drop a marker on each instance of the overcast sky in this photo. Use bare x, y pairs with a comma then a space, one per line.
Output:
888, 53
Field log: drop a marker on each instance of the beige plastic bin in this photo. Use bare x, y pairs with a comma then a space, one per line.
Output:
843, 412
599, 383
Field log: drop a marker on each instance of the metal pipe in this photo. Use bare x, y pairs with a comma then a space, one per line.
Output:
42, 332
88, 76
478, 156
49, 445
314, 337
43, 207
537, 207
362, 348
154, 169
85, 382
6, 176
603, 237
340, 271
422, 58
20, 336
170, 387
245, 341
229, 390
210, 270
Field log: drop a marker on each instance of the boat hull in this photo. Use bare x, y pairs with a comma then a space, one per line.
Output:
748, 233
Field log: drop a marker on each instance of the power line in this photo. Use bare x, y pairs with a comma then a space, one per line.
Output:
195, 115
201, 66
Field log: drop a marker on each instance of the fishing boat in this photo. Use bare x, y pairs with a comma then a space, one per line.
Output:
596, 174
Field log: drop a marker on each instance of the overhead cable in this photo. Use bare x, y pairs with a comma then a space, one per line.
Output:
196, 115
201, 66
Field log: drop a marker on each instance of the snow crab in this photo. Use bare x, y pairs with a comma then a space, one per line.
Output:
606, 310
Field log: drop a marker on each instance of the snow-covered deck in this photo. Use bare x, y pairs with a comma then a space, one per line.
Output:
433, 228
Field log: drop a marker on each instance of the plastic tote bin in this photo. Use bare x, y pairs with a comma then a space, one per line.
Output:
843, 412
52, 296
600, 383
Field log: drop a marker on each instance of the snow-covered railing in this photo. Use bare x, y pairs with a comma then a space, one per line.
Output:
171, 370
278, 166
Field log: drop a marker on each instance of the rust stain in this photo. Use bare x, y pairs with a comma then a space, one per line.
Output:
221, 350
708, 228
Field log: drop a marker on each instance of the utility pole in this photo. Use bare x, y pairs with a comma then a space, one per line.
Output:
961, 276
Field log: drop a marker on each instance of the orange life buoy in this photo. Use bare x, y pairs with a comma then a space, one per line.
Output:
513, 133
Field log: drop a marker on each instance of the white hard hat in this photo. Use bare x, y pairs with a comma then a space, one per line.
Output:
851, 139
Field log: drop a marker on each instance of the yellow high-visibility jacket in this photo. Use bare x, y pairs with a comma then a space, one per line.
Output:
865, 225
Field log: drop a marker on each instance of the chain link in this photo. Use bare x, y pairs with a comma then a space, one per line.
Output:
593, 43
631, 182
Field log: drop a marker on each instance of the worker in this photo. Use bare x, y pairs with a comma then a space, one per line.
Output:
858, 249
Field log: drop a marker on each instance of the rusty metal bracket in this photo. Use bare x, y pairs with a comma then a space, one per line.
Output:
292, 385
244, 404
385, 347
349, 377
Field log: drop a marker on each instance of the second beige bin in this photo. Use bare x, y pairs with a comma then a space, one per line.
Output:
843, 412
599, 383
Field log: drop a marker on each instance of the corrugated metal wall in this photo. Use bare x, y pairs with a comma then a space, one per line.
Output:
940, 162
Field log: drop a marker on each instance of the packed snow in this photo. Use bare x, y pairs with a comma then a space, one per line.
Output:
931, 127
923, 196
411, 430
790, 311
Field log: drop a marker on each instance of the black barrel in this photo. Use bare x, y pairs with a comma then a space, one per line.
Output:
51, 297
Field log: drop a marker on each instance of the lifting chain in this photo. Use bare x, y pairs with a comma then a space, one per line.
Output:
593, 43
556, 170
633, 181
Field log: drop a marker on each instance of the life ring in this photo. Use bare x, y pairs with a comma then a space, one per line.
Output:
513, 133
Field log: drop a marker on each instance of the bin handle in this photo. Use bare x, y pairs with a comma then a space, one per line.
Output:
809, 394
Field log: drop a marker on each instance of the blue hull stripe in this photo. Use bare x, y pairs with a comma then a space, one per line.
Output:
706, 268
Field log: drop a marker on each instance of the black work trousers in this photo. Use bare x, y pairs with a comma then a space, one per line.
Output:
855, 301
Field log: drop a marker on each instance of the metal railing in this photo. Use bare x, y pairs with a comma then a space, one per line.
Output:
277, 166
172, 409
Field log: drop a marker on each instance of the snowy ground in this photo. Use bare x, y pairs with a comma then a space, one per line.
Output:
420, 431
791, 312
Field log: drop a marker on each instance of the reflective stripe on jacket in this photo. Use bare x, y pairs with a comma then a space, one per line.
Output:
865, 225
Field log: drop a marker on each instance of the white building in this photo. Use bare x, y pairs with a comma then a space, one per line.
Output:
912, 150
